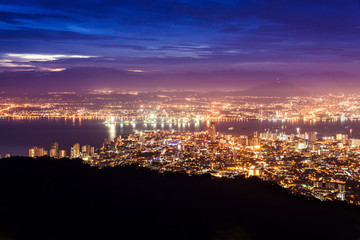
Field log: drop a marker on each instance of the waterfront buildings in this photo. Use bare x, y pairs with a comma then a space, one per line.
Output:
325, 168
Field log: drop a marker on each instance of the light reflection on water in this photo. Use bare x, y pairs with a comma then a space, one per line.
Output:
18, 135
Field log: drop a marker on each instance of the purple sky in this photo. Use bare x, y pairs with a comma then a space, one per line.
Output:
165, 42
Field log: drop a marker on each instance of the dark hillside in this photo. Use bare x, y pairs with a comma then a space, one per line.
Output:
66, 199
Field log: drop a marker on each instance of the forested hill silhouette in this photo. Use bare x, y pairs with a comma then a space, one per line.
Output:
66, 199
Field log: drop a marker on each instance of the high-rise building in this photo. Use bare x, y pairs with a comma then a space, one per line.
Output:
212, 132
39, 152
53, 153
87, 150
32, 152
62, 153
54, 150
254, 141
36, 152
72, 152
75, 151
92, 151
55, 145
106, 143
355, 142
84, 149
310, 136
340, 137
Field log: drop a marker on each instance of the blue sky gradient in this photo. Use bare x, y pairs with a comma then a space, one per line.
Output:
291, 38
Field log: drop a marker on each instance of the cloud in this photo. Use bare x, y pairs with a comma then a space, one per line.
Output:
8, 63
20, 62
29, 57
48, 35
180, 35
51, 69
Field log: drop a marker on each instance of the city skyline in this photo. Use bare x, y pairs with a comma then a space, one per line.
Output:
181, 119
324, 168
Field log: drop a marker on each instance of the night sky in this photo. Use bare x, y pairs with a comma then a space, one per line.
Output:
235, 42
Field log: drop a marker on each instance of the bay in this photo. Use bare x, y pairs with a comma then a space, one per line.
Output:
18, 135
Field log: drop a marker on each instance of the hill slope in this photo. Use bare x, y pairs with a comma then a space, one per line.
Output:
66, 199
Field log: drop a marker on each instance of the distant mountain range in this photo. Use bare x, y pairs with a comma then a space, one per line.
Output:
276, 89
244, 82
273, 89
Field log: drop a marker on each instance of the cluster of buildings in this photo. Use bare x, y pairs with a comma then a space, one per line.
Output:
327, 168
76, 151
173, 106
